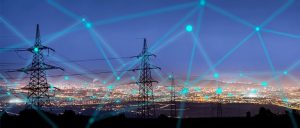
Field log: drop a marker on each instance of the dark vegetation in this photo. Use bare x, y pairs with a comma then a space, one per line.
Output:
30, 118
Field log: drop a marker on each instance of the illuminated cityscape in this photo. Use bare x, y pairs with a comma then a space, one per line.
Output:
96, 93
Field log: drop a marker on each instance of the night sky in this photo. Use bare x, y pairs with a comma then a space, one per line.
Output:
117, 26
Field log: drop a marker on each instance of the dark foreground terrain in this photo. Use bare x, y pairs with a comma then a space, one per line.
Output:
32, 119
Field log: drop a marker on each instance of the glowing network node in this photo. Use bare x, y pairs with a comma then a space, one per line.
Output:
253, 91
51, 88
189, 28
229, 94
219, 90
66, 78
264, 84
216, 75
285, 72
257, 29
202, 2
83, 20
184, 91
35, 49
118, 78
110, 87
8, 93
285, 100
88, 25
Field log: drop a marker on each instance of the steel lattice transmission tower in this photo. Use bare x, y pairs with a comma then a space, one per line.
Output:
173, 111
38, 89
146, 106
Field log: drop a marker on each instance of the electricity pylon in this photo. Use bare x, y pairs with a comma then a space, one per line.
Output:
173, 111
38, 89
146, 106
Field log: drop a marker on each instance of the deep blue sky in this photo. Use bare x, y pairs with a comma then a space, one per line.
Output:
218, 33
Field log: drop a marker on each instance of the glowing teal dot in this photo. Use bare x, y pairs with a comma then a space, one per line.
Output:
51, 88
202, 2
216, 75
104, 82
118, 78
36, 49
253, 91
83, 20
170, 88
8, 93
184, 91
285, 72
285, 100
219, 90
110, 87
264, 84
257, 29
189, 28
66, 78
229, 94
88, 25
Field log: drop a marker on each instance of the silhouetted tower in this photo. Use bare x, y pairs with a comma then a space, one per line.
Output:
146, 108
173, 111
38, 89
